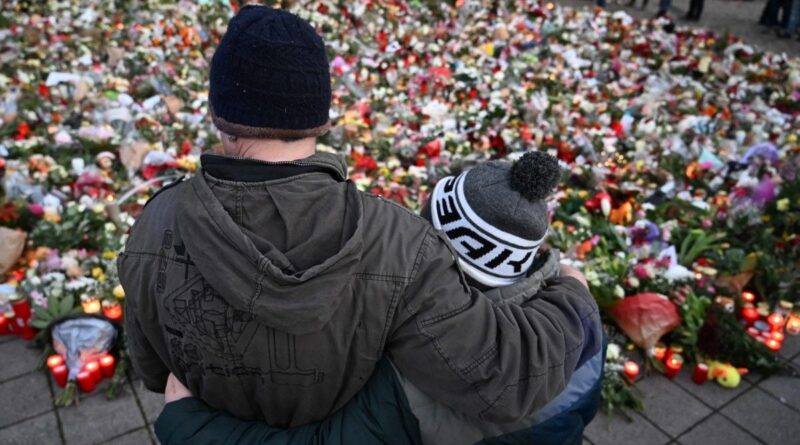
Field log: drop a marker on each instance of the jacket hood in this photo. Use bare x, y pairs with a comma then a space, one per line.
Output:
253, 274
527, 287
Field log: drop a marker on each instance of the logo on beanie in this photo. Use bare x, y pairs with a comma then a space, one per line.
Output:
489, 255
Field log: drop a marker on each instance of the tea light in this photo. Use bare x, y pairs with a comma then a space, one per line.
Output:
673, 365
91, 305
631, 370
107, 365
793, 324
700, 374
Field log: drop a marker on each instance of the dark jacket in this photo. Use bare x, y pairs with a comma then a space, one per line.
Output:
274, 301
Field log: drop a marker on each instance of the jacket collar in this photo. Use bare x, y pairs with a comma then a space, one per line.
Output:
320, 161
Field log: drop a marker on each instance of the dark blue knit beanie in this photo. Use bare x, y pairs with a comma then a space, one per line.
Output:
270, 77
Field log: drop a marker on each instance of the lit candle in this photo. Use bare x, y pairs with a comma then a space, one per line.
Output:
700, 374
631, 370
773, 345
748, 297
778, 336
749, 314
22, 315
91, 305
673, 365
12, 324
659, 351
107, 365
793, 325
4, 330
86, 382
54, 360
60, 374
93, 368
673, 349
112, 310
775, 321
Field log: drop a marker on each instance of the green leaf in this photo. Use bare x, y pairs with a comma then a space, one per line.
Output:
52, 305
41, 313
39, 323
67, 303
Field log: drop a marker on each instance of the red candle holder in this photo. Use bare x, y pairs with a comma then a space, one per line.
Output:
773, 345
54, 360
659, 351
4, 325
775, 321
93, 368
700, 374
107, 364
748, 297
22, 314
113, 311
60, 374
778, 336
673, 365
631, 370
12, 322
749, 314
86, 382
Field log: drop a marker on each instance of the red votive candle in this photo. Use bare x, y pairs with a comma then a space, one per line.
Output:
659, 351
86, 382
778, 336
700, 374
4, 329
750, 314
93, 368
22, 314
673, 365
631, 370
54, 360
60, 374
107, 365
773, 345
775, 321
748, 297
113, 311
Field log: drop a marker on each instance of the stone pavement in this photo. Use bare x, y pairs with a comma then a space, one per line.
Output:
760, 411
739, 17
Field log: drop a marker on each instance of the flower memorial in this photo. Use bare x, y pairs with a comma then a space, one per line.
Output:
680, 198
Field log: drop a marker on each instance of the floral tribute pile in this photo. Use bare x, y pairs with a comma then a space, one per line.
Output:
680, 199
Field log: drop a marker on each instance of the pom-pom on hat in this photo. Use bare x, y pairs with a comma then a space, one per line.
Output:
495, 215
270, 77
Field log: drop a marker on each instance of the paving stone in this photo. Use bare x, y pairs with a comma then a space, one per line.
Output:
97, 419
138, 437
765, 417
670, 407
587, 441
17, 359
24, 397
791, 346
710, 392
38, 430
152, 402
717, 430
616, 430
153, 435
784, 387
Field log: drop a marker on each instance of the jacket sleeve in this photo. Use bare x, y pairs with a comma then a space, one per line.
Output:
498, 361
191, 421
146, 362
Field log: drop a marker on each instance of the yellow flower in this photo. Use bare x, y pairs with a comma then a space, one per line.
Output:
109, 255
97, 272
118, 292
557, 225
783, 204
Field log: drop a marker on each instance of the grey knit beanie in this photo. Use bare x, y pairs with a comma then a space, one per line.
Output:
495, 215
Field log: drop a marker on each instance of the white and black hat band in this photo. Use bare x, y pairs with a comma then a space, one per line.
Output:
489, 255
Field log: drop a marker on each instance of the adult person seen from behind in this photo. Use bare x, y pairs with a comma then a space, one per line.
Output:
501, 198
271, 287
